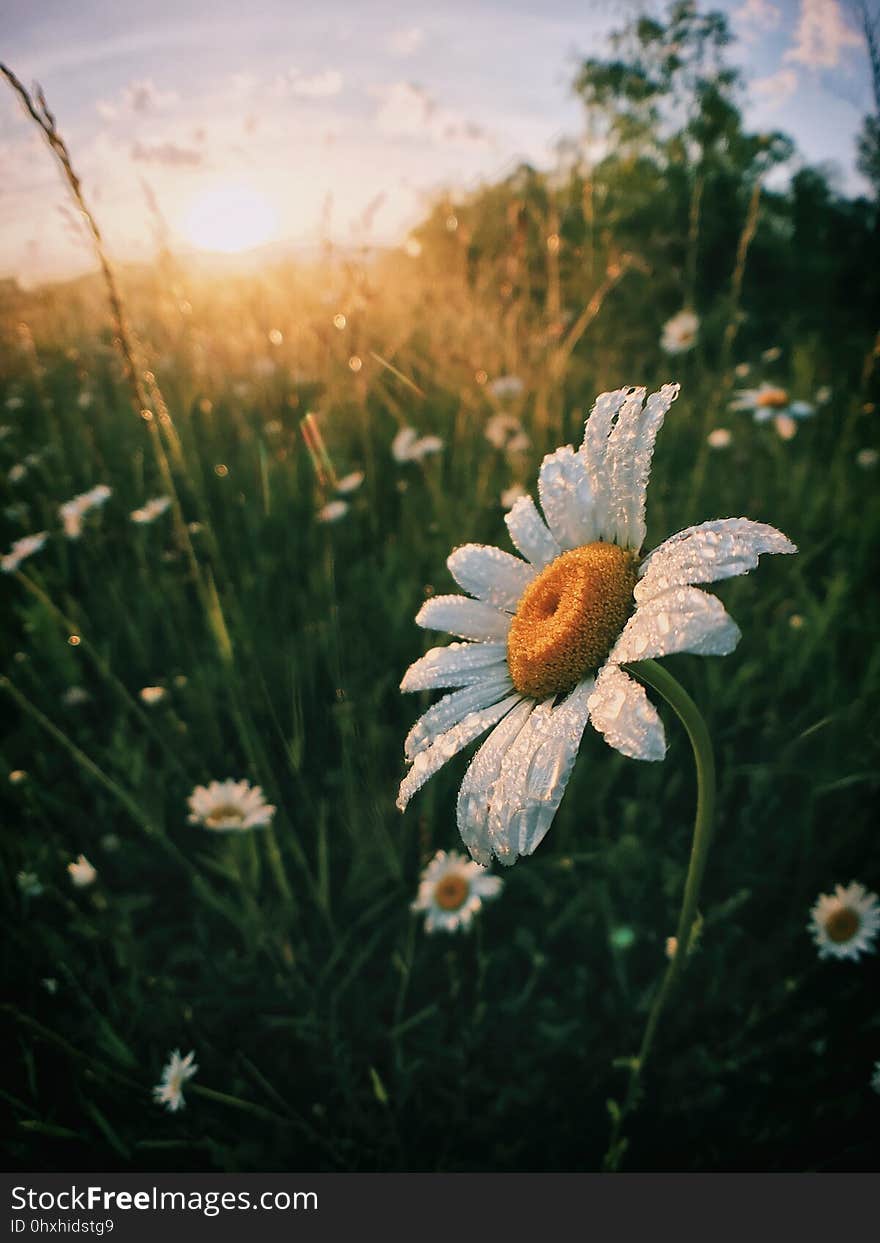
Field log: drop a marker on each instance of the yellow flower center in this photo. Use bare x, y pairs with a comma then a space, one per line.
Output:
842, 925
569, 617
226, 813
772, 398
451, 892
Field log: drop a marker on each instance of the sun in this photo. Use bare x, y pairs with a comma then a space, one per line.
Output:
229, 219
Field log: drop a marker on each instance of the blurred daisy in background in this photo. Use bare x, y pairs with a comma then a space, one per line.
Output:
169, 1090
767, 402
75, 696
408, 446
151, 695
350, 483
452, 890
867, 458
547, 635
17, 776
73, 511
719, 438
506, 387
81, 872
506, 433
229, 804
511, 495
680, 333
332, 511
845, 924
21, 549
151, 510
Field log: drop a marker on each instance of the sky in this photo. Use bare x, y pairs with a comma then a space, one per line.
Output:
280, 121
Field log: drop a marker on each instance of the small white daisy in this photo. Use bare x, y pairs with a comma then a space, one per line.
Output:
229, 804
549, 636
350, 483
823, 394
151, 695
14, 403
867, 458
506, 433
169, 1090
451, 891
786, 426
85, 399
511, 495
719, 438
408, 446
22, 548
17, 776
680, 333
151, 510
772, 355
73, 511
506, 387
17, 472
845, 924
332, 511
82, 874
769, 401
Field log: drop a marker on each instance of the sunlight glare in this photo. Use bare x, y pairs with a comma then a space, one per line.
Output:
229, 219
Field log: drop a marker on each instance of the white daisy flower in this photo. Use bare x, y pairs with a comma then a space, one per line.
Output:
151, 510
769, 401
73, 511
506, 433
169, 1090
773, 354
408, 446
506, 387
511, 495
17, 472
82, 874
719, 438
14, 403
85, 399
680, 333
151, 695
823, 394
229, 805
22, 548
548, 637
845, 924
350, 483
452, 890
332, 511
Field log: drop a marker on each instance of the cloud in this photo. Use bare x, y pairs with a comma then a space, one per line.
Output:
757, 15
142, 98
776, 88
404, 43
821, 35
408, 111
167, 153
293, 84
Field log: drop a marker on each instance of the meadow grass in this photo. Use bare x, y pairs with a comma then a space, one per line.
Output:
330, 1031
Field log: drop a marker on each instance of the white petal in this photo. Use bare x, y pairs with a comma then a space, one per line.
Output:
594, 449
475, 794
469, 619
534, 774
566, 498
458, 664
708, 552
630, 450
683, 619
625, 717
453, 708
530, 534
443, 748
496, 577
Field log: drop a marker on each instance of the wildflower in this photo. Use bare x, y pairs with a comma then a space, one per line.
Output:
74, 696
511, 495
17, 776
229, 805
671, 947
332, 511
452, 890
169, 1090
29, 885
719, 438
5, 430
82, 874
680, 333
408, 446
506, 387
767, 402
772, 355
844, 924
823, 395
151, 510
85, 399
73, 511
14, 403
17, 472
350, 483
797, 621
22, 548
151, 695
741, 370
867, 458
548, 635
506, 433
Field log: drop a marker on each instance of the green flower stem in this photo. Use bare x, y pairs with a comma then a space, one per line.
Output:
655, 676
